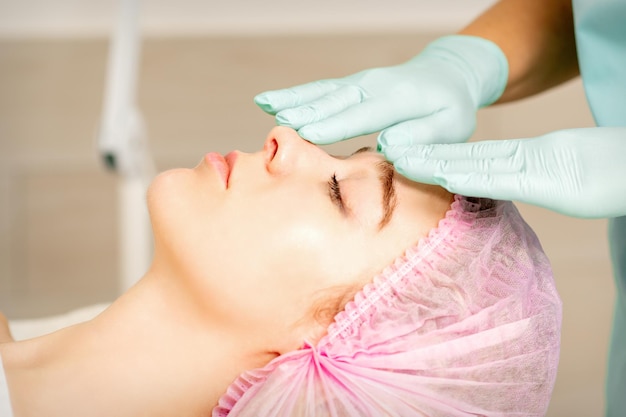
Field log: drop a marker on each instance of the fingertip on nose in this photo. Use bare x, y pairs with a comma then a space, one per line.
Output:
281, 131
312, 135
283, 135
288, 118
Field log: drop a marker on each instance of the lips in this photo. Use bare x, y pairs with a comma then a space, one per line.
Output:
230, 159
222, 164
218, 162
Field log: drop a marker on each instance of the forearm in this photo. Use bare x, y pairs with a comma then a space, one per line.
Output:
537, 37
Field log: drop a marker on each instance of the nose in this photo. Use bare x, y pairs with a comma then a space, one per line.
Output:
285, 151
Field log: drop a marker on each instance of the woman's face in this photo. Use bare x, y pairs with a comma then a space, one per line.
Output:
258, 236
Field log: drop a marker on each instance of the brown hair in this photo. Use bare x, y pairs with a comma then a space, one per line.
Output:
331, 301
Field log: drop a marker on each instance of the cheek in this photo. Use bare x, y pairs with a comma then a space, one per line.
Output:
304, 249
279, 261
288, 235
295, 267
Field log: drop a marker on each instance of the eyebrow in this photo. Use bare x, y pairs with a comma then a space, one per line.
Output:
386, 174
363, 149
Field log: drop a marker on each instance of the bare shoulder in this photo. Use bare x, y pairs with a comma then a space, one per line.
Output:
5, 331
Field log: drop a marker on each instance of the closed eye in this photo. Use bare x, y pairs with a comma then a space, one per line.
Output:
335, 193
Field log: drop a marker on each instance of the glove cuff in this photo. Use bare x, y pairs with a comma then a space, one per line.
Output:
480, 61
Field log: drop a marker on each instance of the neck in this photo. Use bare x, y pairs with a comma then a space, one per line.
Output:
154, 352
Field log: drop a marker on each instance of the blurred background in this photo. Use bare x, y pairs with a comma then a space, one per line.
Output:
201, 63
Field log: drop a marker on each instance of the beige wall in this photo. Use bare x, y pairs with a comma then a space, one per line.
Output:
236, 17
57, 205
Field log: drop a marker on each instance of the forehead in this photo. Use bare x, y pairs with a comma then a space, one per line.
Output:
364, 152
410, 193
367, 160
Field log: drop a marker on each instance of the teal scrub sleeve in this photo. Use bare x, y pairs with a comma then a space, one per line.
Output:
616, 370
601, 45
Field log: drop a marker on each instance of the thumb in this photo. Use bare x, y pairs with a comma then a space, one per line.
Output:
424, 162
497, 187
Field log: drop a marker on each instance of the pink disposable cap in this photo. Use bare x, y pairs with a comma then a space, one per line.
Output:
466, 323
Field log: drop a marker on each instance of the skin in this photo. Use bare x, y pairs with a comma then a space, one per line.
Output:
235, 272
5, 332
537, 37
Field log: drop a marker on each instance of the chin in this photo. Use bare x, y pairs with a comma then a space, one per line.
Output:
181, 204
169, 197
163, 185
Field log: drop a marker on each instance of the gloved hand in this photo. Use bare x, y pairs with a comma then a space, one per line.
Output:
577, 172
430, 98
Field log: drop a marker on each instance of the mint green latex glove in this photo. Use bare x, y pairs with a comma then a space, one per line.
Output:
430, 98
577, 172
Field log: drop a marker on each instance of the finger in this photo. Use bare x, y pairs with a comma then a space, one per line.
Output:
276, 100
423, 162
489, 149
436, 153
438, 127
321, 108
360, 119
498, 187
369, 116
